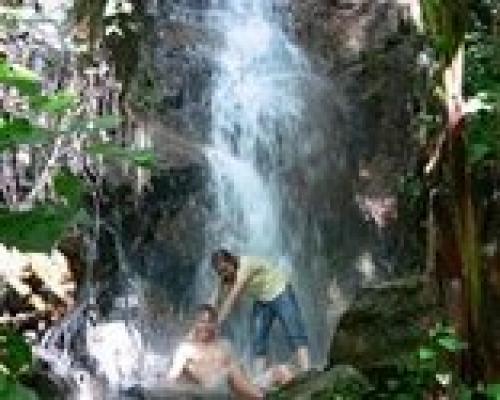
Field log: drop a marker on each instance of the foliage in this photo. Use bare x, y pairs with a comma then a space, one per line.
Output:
15, 361
429, 369
482, 79
98, 123
39, 228
142, 158
15, 353
27, 82
493, 391
16, 131
57, 103
483, 138
446, 22
69, 187
339, 383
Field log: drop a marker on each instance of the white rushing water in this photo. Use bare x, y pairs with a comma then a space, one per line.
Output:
255, 94
258, 105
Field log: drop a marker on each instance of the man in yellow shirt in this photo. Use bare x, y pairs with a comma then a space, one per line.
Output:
273, 297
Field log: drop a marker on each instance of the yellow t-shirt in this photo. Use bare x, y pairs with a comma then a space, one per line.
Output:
265, 280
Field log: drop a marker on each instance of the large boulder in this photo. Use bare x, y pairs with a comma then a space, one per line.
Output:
383, 322
342, 382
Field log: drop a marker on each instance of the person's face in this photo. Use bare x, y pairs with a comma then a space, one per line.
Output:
205, 327
226, 272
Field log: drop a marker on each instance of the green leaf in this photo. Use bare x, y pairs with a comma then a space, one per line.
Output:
426, 353
142, 158
55, 104
11, 390
478, 152
69, 187
102, 123
36, 230
41, 227
433, 332
27, 82
94, 125
451, 343
465, 393
445, 22
19, 131
15, 354
493, 391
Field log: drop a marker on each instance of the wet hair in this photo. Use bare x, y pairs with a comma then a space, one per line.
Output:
207, 308
223, 255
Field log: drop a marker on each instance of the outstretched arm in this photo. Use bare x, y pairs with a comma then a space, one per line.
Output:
232, 297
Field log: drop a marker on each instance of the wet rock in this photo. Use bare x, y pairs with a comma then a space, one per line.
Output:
342, 381
383, 322
46, 386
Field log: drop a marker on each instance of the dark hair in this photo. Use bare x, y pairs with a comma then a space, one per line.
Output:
223, 255
207, 308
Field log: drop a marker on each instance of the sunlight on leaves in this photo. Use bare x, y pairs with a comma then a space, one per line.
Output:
19, 131
142, 158
27, 82
426, 353
493, 391
55, 104
40, 228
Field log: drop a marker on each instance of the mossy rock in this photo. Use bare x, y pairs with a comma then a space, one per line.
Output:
45, 386
340, 382
383, 323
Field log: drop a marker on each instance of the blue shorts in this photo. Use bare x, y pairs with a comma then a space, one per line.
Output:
286, 309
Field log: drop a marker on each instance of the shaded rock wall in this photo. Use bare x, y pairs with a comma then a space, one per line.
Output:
383, 323
371, 50
340, 189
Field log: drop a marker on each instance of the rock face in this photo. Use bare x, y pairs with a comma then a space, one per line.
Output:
342, 382
371, 51
382, 323
341, 182
366, 53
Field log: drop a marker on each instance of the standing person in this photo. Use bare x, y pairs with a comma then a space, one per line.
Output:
273, 297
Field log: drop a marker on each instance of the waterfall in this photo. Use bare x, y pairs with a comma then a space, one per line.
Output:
259, 96
255, 101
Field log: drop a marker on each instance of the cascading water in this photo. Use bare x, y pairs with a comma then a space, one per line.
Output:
254, 93
260, 99
258, 108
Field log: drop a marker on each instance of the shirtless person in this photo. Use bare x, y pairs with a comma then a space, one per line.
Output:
204, 359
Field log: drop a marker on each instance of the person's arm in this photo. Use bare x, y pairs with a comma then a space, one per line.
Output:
234, 294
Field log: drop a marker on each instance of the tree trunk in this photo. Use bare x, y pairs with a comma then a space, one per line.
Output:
464, 221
